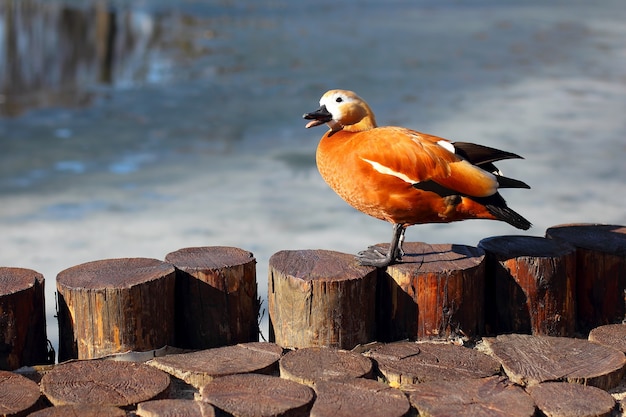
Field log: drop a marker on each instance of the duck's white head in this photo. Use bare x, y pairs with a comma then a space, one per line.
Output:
342, 109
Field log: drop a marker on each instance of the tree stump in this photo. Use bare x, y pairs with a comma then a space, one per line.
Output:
175, 408
321, 298
103, 382
216, 297
493, 397
200, 368
612, 335
530, 360
562, 399
308, 365
600, 271
358, 397
255, 395
115, 305
530, 285
80, 411
23, 338
18, 395
411, 363
437, 291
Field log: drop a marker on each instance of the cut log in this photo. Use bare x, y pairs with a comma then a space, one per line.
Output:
613, 335
216, 297
18, 395
103, 382
308, 365
530, 360
358, 397
437, 291
175, 408
199, 368
530, 285
562, 399
80, 411
321, 298
486, 397
600, 271
22, 319
411, 363
115, 305
255, 395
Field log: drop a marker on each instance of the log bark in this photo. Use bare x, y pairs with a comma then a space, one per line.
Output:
115, 305
531, 285
612, 335
175, 408
562, 399
530, 360
18, 395
80, 411
600, 271
23, 338
216, 297
321, 298
104, 382
437, 291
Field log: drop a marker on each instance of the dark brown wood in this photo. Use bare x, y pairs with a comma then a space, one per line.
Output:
216, 296
308, 365
175, 408
562, 399
486, 397
104, 382
531, 285
358, 397
411, 363
255, 395
80, 411
600, 271
18, 395
321, 298
437, 291
530, 360
199, 368
115, 305
613, 335
22, 319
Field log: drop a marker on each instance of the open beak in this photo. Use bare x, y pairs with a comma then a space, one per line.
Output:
318, 117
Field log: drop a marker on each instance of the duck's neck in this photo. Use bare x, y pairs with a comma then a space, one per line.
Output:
366, 123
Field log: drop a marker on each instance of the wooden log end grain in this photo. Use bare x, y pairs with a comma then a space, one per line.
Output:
612, 335
22, 318
437, 291
199, 368
104, 382
216, 293
321, 298
175, 408
18, 394
258, 395
80, 411
308, 365
562, 399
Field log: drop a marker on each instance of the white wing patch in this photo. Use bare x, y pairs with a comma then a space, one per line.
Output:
388, 171
447, 146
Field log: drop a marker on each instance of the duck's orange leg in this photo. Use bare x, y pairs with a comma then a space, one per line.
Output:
375, 256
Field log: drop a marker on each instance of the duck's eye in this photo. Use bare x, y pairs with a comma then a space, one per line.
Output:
339, 99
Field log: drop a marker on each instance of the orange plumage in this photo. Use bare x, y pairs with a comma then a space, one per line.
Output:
406, 177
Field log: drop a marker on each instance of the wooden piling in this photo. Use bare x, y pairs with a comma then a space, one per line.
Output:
115, 305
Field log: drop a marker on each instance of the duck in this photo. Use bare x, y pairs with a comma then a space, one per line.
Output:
406, 177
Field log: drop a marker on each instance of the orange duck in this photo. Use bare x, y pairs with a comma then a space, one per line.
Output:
406, 177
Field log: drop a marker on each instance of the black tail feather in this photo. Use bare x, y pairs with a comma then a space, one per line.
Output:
496, 205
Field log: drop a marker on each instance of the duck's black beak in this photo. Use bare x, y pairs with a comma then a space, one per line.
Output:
318, 117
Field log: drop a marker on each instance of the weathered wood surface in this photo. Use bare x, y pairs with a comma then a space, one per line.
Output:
175, 408
115, 305
612, 335
22, 318
411, 363
486, 397
199, 368
436, 291
358, 397
216, 296
563, 399
531, 284
530, 360
255, 395
600, 271
308, 365
18, 394
80, 411
321, 298
104, 382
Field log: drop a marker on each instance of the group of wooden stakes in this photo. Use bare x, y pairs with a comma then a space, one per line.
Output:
517, 326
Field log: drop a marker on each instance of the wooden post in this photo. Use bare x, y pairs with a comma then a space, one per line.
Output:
115, 305
530, 285
216, 297
600, 271
23, 338
321, 298
436, 291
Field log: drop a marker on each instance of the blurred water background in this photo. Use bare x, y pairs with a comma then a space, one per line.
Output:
136, 128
